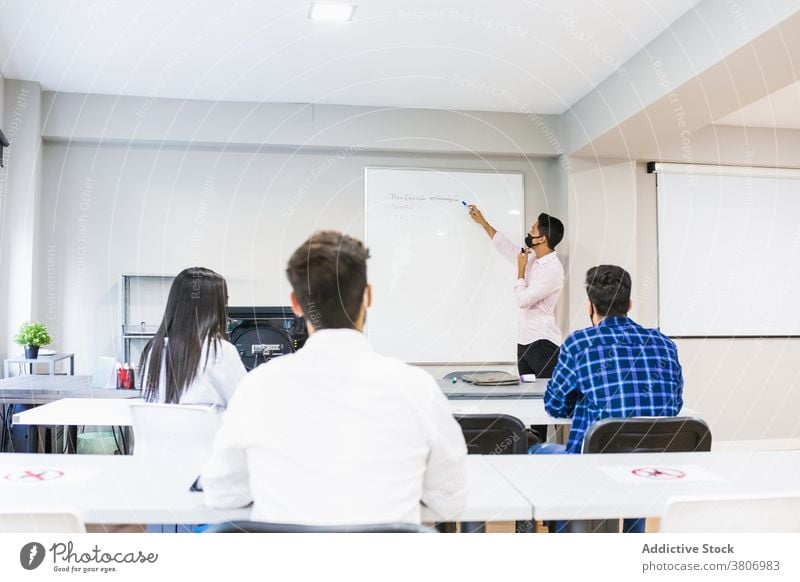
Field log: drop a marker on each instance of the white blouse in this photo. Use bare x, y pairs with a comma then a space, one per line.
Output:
215, 381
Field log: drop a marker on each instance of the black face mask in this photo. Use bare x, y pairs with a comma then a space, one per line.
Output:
529, 242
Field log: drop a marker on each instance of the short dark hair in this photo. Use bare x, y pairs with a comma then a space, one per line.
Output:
609, 290
552, 228
328, 274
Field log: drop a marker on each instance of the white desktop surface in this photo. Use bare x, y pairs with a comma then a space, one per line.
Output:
529, 410
125, 489
38, 389
79, 412
601, 486
115, 412
110, 489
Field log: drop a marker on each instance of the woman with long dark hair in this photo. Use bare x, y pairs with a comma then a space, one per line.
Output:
190, 361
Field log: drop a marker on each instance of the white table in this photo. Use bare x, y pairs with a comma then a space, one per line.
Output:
50, 360
109, 489
529, 410
461, 389
79, 412
125, 489
602, 487
35, 390
41, 389
115, 412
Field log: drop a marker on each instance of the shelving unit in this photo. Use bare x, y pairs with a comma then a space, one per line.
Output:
142, 297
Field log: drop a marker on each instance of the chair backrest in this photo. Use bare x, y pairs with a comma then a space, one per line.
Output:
732, 514
648, 435
493, 434
173, 431
458, 375
21, 521
261, 527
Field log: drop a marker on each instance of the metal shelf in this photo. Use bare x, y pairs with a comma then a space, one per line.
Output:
127, 327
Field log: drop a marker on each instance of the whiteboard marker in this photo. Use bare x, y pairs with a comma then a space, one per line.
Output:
464, 203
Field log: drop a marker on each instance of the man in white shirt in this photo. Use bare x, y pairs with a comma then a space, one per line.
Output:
336, 434
539, 281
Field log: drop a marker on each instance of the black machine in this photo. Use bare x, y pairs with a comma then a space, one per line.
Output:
263, 333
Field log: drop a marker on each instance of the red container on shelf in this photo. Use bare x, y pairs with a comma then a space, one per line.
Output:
125, 378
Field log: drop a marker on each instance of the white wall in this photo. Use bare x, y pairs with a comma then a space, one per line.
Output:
601, 225
109, 209
75, 117
746, 389
21, 189
2, 101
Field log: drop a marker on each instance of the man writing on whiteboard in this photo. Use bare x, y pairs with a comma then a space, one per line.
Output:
540, 278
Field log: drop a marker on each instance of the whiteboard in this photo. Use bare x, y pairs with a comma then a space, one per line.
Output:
441, 292
729, 255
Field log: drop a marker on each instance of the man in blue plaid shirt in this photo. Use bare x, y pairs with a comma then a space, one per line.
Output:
615, 369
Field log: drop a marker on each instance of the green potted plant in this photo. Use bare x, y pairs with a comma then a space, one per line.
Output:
32, 336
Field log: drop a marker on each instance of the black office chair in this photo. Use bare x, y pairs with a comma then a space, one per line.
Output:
493, 434
642, 435
647, 435
263, 527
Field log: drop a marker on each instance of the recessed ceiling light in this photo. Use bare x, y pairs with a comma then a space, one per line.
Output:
334, 12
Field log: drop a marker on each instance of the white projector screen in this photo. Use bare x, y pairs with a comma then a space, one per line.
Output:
729, 255
441, 292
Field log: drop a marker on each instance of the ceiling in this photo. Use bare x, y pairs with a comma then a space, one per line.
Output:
515, 56
778, 110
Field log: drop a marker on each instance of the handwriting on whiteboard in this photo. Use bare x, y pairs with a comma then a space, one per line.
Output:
422, 198
432, 214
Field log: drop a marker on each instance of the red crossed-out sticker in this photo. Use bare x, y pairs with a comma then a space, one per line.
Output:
34, 475
659, 474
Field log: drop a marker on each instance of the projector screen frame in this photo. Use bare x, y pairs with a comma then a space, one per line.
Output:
713, 170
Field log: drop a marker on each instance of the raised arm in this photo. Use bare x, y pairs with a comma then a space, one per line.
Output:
477, 216
504, 246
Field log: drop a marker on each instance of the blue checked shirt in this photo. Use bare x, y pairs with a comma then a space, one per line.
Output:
616, 369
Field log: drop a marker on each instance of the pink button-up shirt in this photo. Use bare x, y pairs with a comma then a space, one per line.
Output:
536, 294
